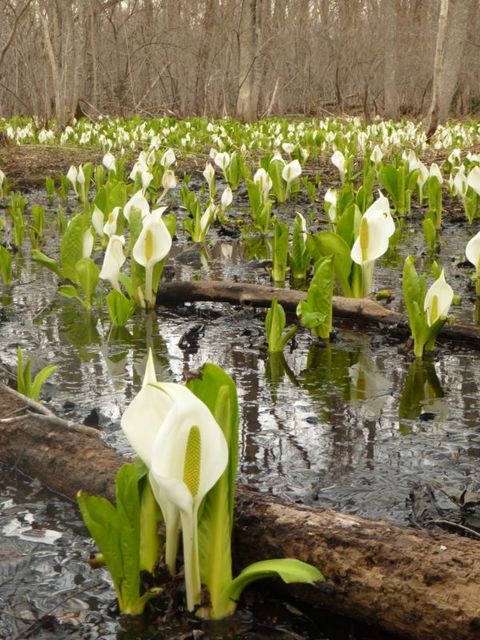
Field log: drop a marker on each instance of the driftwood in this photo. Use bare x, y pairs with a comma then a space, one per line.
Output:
418, 585
363, 310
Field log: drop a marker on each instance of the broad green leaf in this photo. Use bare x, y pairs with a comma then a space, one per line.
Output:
318, 305
68, 291
5, 265
88, 275
128, 514
217, 390
389, 177
101, 519
275, 169
150, 518
45, 261
328, 243
71, 247
288, 569
275, 321
120, 308
39, 380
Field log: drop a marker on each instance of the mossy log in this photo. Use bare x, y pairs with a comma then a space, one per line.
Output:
362, 310
419, 585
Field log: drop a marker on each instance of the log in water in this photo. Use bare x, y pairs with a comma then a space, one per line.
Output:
362, 310
422, 586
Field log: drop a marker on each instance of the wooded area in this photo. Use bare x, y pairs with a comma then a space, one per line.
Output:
243, 58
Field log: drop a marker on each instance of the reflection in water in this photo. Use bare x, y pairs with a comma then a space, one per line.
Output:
275, 370
420, 391
332, 420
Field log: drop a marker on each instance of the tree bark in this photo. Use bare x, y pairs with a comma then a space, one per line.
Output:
451, 37
422, 586
390, 82
249, 68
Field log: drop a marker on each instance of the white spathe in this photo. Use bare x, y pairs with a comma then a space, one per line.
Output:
227, 197
189, 456
109, 161
87, 244
110, 227
473, 179
376, 228
209, 173
137, 201
338, 160
438, 300
113, 261
168, 158
472, 251
154, 241
222, 160
292, 171
169, 181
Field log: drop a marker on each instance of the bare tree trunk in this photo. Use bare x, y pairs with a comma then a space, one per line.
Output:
249, 65
451, 36
201, 80
390, 87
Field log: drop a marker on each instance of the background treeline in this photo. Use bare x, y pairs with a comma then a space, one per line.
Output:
244, 58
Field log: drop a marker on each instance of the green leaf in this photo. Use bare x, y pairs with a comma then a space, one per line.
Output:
430, 233
101, 519
280, 251
5, 265
120, 308
218, 391
316, 311
275, 169
389, 177
128, 514
69, 291
71, 247
328, 243
39, 380
288, 569
88, 276
45, 261
150, 518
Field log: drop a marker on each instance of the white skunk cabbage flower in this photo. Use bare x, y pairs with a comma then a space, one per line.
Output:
168, 158
222, 160
473, 180
291, 171
338, 160
438, 300
227, 198
137, 201
113, 261
87, 246
109, 161
472, 251
190, 454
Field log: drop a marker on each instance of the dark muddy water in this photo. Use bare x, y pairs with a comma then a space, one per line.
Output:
353, 425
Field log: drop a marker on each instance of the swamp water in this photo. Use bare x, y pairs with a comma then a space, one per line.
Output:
354, 425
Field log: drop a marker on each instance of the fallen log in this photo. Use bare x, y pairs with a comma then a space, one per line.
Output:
364, 310
421, 586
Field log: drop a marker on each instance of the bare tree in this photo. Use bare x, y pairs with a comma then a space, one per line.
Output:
451, 36
249, 59
238, 57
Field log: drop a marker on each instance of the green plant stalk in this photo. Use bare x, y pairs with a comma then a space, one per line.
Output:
5, 265
280, 252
